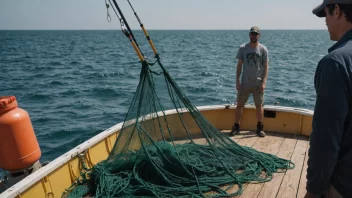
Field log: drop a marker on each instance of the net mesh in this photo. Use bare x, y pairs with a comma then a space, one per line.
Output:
168, 153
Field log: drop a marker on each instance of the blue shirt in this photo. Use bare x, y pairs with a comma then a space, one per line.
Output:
330, 153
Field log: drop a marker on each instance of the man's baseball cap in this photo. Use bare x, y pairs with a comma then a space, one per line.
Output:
255, 29
319, 10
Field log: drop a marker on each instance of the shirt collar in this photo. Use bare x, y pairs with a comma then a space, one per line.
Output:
347, 36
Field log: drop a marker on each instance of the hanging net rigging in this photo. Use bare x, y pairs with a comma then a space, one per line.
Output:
178, 155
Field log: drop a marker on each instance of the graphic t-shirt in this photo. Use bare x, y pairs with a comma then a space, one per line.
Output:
253, 64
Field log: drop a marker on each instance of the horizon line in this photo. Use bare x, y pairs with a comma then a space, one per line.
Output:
151, 29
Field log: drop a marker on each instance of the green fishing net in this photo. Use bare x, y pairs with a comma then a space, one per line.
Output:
167, 148
181, 155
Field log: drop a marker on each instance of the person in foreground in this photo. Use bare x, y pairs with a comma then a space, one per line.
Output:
253, 65
329, 172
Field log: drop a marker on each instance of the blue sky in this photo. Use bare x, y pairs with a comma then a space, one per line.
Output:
161, 14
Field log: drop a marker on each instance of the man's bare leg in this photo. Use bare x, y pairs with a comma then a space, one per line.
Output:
260, 115
238, 114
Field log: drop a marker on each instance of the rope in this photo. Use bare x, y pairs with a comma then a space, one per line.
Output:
77, 187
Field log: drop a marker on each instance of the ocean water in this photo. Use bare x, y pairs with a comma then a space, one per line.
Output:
75, 84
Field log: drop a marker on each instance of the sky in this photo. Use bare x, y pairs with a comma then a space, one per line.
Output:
160, 14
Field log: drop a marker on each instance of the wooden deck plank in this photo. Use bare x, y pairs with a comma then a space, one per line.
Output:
286, 149
289, 185
261, 144
287, 146
271, 146
303, 181
276, 143
234, 138
248, 139
200, 141
244, 138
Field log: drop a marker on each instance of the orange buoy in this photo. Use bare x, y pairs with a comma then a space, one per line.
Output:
19, 148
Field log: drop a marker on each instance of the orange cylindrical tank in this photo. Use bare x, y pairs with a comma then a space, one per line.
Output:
19, 148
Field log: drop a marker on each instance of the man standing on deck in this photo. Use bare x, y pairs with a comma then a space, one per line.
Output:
253, 66
329, 172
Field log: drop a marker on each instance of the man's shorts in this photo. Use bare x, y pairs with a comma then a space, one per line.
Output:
244, 92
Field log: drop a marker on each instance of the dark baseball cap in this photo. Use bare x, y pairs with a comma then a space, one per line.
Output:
255, 29
319, 10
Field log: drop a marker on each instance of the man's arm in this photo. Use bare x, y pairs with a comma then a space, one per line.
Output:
265, 74
239, 57
331, 110
266, 68
238, 74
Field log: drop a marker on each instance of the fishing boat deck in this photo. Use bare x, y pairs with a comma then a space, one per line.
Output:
291, 183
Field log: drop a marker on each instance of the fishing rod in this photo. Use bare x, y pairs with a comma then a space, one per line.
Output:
145, 32
128, 33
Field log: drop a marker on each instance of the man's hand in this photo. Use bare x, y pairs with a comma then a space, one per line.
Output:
310, 195
262, 87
